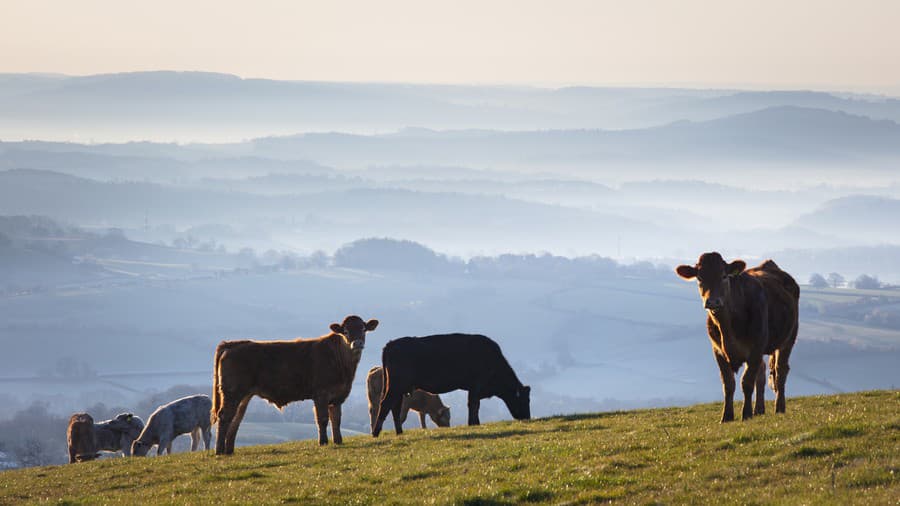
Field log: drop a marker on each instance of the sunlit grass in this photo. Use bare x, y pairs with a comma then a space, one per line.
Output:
829, 449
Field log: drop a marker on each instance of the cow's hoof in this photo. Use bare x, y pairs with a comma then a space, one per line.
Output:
323, 442
746, 416
727, 417
759, 412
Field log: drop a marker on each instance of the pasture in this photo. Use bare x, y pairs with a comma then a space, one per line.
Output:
841, 449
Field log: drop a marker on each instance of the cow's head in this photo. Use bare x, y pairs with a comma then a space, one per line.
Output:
354, 331
519, 403
443, 417
713, 277
140, 448
127, 424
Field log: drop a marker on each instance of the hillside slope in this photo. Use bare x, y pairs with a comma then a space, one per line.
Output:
826, 450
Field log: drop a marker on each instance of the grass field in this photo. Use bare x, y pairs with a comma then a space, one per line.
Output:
826, 450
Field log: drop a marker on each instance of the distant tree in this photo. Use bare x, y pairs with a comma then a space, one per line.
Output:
115, 233
835, 279
390, 254
866, 282
318, 259
247, 258
32, 453
818, 281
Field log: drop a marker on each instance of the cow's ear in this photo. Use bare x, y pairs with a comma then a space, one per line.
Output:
686, 271
527, 390
336, 328
736, 267
371, 324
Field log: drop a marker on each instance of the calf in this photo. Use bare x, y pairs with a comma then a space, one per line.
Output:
117, 434
749, 313
443, 363
420, 401
281, 372
182, 416
81, 439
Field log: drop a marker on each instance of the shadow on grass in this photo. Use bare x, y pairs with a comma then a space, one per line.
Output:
582, 416
481, 501
806, 452
488, 435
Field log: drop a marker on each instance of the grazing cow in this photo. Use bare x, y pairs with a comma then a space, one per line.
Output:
116, 435
749, 313
81, 439
281, 372
182, 416
442, 363
419, 401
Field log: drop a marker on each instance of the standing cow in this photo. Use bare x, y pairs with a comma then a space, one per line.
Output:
281, 372
443, 363
80, 438
188, 415
749, 313
419, 401
117, 434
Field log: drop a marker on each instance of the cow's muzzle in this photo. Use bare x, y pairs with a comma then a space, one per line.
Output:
357, 345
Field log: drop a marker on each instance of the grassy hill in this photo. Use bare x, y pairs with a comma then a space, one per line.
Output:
827, 450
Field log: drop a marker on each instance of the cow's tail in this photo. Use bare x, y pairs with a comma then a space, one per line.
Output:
217, 380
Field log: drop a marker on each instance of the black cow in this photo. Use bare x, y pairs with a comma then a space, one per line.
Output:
443, 363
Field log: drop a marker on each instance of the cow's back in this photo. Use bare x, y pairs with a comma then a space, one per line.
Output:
190, 412
445, 362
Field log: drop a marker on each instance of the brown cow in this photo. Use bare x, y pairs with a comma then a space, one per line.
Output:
281, 372
419, 401
80, 438
750, 313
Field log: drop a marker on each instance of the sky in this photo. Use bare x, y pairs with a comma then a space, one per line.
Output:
822, 44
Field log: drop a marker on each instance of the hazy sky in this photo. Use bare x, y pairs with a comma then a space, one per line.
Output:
818, 44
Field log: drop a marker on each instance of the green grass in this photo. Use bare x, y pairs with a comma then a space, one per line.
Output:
826, 450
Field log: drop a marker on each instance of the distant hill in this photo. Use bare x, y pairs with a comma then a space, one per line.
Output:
870, 219
798, 136
185, 106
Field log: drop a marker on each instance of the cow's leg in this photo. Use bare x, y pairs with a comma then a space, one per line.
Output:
125, 444
397, 413
422, 419
392, 401
404, 411
780, 374
72, 453
474, 406
195, 439
727, 375
334, 414
373, 415
748, 384
320, 411
760, 408
225, 415
207, 435
235, 424
169, 447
